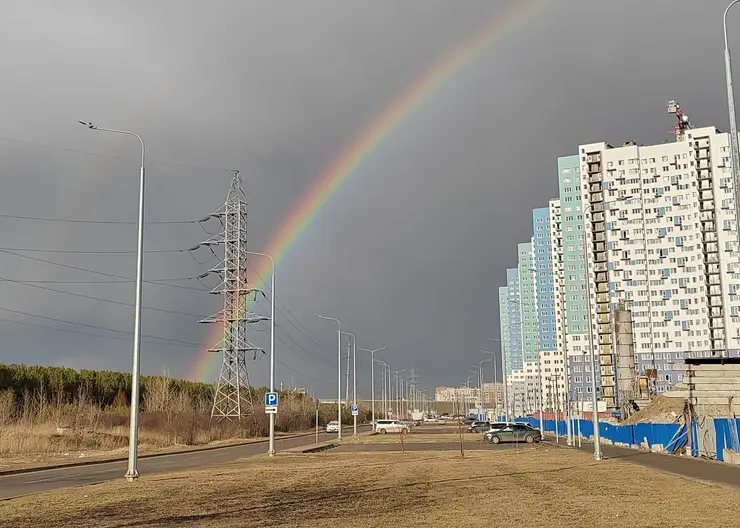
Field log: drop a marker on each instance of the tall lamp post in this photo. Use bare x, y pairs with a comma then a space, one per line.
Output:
271, 448
493, 364
386, 396
372, 378
354, 380
339, 372
503, 377
133, 438
731, 112
481, 383
398, 391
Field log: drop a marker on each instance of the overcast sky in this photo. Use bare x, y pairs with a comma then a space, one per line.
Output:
409, 253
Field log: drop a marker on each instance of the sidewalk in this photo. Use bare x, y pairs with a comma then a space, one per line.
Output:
689, 467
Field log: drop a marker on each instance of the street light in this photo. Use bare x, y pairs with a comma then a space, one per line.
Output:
133, 438
731, 112
271, 447
354, 379
386, 387
372, 377
480, 382
339, 372
493, 364
398, 391
503, 377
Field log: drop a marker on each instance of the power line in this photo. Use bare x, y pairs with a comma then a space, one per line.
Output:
96, 327
303, 374
104, 222
306, 332
301, 346
120, 303
80, 332
90, 252
160, 282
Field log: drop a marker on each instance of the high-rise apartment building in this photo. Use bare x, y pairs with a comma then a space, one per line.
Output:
514, 359
528, 302
662, 235
653, 226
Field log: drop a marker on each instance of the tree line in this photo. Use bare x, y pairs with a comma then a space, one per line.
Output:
102, 386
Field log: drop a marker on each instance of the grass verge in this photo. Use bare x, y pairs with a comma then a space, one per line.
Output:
554, 488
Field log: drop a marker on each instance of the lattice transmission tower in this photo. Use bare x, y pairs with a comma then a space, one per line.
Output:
232, 397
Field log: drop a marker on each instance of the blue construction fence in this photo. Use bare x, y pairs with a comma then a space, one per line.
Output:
673, 437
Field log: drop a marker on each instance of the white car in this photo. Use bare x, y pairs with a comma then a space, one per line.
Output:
332, 427
391, 426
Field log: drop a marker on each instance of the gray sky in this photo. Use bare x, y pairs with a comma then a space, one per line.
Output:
409, 253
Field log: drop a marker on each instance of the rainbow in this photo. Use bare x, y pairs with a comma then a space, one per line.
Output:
206, 366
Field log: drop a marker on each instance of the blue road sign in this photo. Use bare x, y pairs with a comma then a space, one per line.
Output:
390, 410
355, 409
271, 399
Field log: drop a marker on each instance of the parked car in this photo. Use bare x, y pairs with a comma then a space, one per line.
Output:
495, 426
391, 426
513, 433
479, 427
332, 427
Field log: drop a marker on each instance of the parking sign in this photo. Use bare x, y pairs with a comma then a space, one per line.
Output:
271, 402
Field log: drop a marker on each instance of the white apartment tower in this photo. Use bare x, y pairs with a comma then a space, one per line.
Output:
661, 234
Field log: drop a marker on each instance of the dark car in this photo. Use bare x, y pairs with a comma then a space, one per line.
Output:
479, 427
513, 433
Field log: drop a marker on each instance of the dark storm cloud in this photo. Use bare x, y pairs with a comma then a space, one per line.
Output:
411, 250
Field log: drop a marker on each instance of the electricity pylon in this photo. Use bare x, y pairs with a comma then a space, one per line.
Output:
233, 396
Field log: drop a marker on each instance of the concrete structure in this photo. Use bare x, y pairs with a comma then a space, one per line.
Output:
711, 386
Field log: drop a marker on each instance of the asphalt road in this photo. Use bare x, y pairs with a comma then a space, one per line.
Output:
435, 446
51, 479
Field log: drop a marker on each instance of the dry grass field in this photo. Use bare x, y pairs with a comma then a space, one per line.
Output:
540, 487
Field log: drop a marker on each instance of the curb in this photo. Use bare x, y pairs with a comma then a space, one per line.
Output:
38, 469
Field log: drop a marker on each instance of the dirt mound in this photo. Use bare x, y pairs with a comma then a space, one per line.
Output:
661, 410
